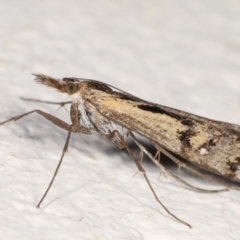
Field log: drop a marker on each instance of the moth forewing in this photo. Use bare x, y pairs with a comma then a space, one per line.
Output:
212, 145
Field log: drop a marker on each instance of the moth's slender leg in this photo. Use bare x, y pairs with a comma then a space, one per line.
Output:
62, 104
56, 121
155, 161
143, 149
58, 166
48, 102
140, 156
194, 187
158, 155
183, 165
141, 169
188, 184
122, 144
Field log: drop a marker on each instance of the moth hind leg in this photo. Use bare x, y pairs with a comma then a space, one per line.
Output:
180, 164
156, 161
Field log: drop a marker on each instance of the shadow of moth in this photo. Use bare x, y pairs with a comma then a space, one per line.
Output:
97, 107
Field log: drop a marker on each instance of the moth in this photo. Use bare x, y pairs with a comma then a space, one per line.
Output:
100, 108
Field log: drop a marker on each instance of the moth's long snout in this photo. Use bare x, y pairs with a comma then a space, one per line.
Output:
57, 84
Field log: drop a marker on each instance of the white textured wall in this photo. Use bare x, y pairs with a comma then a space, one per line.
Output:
184, 54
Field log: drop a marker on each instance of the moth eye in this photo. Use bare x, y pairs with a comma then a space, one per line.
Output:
71, 88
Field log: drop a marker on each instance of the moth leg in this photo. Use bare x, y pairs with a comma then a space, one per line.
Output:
62, 104
141, 169
190, 169
143, 149
56, 121
58, 166
140, 156
43, 101
123, 144
194, 187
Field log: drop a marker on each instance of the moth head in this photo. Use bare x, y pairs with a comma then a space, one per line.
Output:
72, 85
68, 86
71, 88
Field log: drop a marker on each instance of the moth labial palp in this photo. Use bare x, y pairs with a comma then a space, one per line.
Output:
115, 115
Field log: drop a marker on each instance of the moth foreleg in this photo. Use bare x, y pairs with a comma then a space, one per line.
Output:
56, 121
